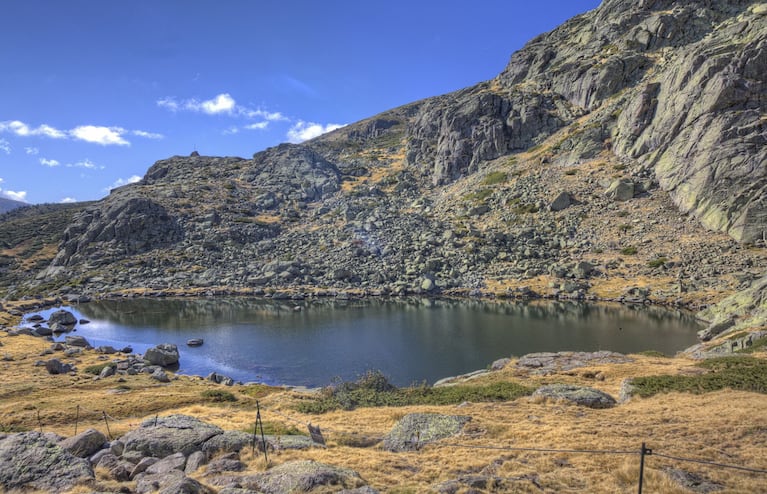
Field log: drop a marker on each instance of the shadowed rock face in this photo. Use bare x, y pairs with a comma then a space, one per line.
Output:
127, 224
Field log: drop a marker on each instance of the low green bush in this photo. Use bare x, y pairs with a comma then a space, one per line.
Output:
374, 390
218, 395
741, 373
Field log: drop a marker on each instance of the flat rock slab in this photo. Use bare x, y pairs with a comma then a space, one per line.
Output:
550, 363
31, 460
580, 395
172, 434
294, 476
417, 429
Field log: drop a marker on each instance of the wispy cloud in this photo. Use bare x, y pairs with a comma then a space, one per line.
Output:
147, 135
21, 129
47, 162
96, 134
5, 146
123, 181
86, 163
221, 104
32, 151
257, 126
303, 131
68, 200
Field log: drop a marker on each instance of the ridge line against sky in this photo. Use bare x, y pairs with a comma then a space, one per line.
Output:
95, 92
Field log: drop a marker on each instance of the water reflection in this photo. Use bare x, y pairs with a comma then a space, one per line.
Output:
411, 340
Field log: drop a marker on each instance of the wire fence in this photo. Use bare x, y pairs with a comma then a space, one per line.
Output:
317, 435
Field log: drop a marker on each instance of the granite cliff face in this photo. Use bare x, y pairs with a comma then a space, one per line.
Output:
605, 152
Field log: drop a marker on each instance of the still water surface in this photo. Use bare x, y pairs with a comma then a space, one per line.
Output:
410, 341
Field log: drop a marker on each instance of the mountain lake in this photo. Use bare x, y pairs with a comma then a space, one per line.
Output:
412, 341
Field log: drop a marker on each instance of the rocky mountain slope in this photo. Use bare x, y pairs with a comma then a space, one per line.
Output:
620, 155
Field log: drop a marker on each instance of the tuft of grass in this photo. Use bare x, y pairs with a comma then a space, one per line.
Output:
374, 390
571, 172
629, 251
478, 196
742, 373
276, 429
494, 178
653, 353
656, 263
218, 395
96, 369
625, 227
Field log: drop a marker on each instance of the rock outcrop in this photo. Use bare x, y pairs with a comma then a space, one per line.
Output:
418, 429
34, 460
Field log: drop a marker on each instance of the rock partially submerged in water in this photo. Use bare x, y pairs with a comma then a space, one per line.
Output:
164, 355
195, 342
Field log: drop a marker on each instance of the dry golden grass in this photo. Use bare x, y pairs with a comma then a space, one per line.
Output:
726, 426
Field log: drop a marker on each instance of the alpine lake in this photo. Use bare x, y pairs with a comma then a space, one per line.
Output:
314, 342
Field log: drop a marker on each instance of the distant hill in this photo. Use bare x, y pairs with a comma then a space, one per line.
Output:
9, 204
622, 155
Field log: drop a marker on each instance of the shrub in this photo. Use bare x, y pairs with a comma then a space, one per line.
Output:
571, 171
495, 178
218, 395
629, 251
96, 369
374, 390
739, 373
656, 263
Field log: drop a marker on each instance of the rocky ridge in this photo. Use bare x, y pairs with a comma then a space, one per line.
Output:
591, 167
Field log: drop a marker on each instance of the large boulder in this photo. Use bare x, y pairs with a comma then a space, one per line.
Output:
417, 429
84, 444
164, 355
63, 317
31, 460
172, 434
580, 395
78, 341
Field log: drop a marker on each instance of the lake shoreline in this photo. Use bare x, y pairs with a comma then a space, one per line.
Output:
576, 314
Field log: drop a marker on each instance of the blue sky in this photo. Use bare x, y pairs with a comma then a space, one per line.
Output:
93, 92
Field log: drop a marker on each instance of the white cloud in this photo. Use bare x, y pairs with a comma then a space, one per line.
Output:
231, 131
100, 135
20, 195
5, 146
222, 103
303, 131
24, 130
68, 200
124, 181
47, 162
97, 134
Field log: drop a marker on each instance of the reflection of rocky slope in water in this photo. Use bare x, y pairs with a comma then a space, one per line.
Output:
180, 313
